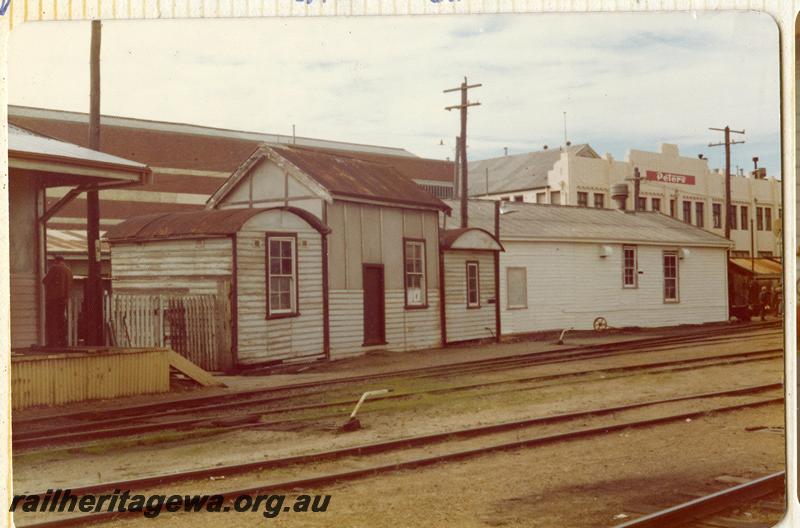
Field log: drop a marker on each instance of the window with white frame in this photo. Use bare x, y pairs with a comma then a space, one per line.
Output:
415, 273
629, 271
281, 275
473, 285
517, 287
670, 276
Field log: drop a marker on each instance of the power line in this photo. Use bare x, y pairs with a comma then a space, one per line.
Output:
727, 143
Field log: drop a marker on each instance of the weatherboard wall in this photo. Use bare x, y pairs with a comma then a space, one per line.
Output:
372, 234
262, 339
570, 284
464, 322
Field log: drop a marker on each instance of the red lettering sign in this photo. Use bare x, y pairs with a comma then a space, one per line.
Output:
669, 177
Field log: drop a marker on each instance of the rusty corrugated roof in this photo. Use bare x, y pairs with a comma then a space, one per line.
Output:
196, 224
349, 176
411, 167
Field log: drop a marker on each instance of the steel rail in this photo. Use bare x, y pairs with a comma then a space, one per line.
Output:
78, 432
389, 445
331, 478
225, 400
708, 505
622, 347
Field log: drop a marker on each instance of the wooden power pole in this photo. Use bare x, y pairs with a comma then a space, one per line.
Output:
727, 143
93, 291
463, 190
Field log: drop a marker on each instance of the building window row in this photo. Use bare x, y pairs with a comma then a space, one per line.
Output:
630, 272
598, 200
764, 218
440, 191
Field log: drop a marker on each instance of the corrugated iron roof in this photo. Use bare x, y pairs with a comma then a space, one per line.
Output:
196, 224
118, 131
348, 176
761, 266
518, 171
412, 168
569, 223
24, 141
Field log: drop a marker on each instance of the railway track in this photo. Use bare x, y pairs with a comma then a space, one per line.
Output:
386, 457
560, 355
254, 418
709, 511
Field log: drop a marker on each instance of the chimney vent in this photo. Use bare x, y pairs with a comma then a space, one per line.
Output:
619, 193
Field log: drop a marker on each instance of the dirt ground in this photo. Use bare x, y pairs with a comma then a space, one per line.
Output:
585, 483
382, 420
597, 481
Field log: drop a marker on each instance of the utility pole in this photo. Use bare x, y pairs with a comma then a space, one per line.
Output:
727, 143
463, 141
93, 291
457, 170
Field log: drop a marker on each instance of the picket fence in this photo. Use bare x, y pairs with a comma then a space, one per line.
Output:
195, 326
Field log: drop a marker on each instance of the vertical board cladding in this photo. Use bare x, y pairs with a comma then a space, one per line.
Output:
405, 329
23, 261
373, 234
24, 310
465, 323
54, 379
260, 339
176, 266
570, 284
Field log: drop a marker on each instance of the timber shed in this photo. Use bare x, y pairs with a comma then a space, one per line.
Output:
383, 252
574, 267
470, 287
265, 266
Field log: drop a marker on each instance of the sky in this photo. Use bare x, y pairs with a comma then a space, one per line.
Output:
624, 80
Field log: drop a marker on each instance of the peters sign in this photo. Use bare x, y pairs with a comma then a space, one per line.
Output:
669, 177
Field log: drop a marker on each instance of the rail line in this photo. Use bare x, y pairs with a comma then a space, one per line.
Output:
702, 508
84, 431
364, 451
533, 358
485, 365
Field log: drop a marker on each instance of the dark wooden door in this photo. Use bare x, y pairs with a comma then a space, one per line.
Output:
374, 313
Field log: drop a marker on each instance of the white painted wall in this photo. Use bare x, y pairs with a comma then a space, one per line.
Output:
171, 266
569, 285
405, 329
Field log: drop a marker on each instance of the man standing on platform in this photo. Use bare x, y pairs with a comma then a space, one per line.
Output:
57, 285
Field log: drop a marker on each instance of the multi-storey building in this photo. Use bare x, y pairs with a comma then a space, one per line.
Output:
680, 186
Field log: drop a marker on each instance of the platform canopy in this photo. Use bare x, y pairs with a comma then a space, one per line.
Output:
58, 163
762, 268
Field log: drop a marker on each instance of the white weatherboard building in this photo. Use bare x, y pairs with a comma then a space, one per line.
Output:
679, 186
564, 267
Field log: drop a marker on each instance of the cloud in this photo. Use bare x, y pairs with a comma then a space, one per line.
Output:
625, 80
